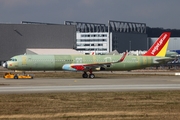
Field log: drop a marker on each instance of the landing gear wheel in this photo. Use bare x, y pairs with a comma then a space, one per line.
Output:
15, 77
85, 75
91, 76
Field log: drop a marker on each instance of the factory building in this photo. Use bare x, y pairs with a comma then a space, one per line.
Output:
16, 38
174, 43
102, 39
92, 43
91, 37
81, 36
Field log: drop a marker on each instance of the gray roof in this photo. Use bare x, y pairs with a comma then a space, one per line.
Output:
52, 51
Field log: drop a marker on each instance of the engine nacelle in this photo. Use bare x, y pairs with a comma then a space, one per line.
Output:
78, 67
68, 67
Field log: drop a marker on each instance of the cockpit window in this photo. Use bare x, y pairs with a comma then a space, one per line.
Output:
13, 59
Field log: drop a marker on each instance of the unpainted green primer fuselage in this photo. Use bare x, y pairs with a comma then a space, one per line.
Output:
56, 62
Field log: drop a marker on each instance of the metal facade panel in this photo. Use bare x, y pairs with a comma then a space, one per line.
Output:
128, 41
174, 43
15, 38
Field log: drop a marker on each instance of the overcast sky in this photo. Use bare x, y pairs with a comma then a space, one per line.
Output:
155, 13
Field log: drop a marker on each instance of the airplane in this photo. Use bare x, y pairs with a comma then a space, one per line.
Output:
89, 63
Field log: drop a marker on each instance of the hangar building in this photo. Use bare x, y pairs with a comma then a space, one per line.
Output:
117, 35
16, 38
84, 37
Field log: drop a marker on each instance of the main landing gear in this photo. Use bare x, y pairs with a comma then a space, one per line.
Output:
91, 75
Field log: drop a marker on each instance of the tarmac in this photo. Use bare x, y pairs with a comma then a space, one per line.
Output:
44, 85
126, 81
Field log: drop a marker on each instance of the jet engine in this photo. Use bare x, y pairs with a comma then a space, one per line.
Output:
73, 67
68, 67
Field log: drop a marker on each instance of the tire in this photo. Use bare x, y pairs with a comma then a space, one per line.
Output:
91, 76
15, 77
85, 75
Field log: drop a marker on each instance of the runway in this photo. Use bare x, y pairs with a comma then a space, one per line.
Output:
40, 85
92, 88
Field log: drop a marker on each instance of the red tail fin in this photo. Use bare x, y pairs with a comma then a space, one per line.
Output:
159, 48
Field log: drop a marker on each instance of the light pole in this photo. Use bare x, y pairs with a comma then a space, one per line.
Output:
129, 45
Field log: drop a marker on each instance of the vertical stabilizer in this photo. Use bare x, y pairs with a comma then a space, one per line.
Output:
159, 48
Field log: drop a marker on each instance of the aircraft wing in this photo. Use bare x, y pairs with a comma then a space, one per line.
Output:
84, 67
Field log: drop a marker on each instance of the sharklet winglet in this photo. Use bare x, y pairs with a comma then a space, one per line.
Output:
122, 58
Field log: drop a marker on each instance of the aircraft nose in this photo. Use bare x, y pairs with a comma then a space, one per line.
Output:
5, 65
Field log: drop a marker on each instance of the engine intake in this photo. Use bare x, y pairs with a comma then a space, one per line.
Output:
68, 67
